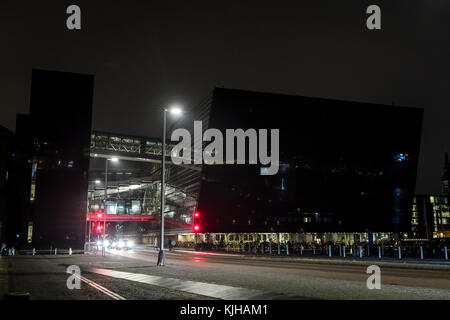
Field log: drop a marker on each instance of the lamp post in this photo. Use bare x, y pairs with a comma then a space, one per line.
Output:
106, 198
175, 111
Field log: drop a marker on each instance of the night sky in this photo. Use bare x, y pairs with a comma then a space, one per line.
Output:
148, 54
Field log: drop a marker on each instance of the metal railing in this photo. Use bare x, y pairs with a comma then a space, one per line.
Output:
418, 252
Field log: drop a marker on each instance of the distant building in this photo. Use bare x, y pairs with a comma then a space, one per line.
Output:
50, 172
6, 138
430, 217
446, 176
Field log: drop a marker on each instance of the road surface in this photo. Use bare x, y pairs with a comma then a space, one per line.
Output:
130, 275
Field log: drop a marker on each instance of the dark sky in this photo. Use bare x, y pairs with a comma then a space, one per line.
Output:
147, 54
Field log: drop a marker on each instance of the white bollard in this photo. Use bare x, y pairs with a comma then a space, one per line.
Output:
399, 253
56, 251
287, 249
379, 252
360, 252
34, 251
421, 253
329, 250
279, 248
344, 251
446, 253
70, 251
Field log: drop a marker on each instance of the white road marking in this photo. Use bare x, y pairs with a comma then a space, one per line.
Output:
200, 288
95, 285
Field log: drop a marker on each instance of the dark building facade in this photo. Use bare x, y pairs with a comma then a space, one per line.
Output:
344, 166
6, 138
50, 171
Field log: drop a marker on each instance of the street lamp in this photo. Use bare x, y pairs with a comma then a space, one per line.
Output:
115, 160
176, 111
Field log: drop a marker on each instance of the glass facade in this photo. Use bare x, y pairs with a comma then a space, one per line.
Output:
340, 166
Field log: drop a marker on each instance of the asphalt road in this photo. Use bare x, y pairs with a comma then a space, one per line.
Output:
194, 276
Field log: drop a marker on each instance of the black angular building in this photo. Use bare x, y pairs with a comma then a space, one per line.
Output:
344, 166
6, 139
50, 171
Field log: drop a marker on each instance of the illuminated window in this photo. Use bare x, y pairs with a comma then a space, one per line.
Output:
30, 232
33, 192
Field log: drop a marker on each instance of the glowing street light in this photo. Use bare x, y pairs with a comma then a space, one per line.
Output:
114, 160
176, 111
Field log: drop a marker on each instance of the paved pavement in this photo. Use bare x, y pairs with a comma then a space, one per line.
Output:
200, 276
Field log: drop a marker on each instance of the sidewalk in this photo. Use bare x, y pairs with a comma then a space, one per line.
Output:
3, 276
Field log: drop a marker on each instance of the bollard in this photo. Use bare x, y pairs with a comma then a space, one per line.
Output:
279, 248
379, 252
249, 248
329, 250
360, 252
421, 253
399, 253
446, 253
270, 247
340, 251
301, 250
287, 249
56, 251
242, 248
70, 251
34, 251
262, 248
344, 251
